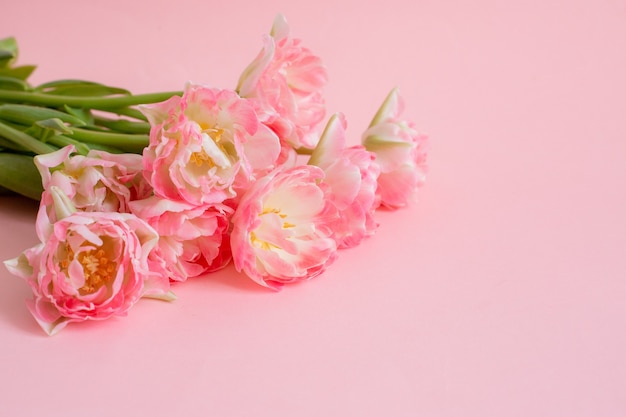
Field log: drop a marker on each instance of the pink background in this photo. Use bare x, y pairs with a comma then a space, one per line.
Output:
501, 292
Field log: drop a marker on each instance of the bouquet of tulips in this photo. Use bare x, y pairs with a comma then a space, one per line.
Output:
139, 192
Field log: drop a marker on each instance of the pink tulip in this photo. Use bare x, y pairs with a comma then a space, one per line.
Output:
204, 144
286, 80
281, 229
351, 175
193, 240
400, 151
99, 181
91, 266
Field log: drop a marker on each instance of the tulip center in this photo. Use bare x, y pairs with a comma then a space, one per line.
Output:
265, 239
281, 215
260, 243
201, 158
98, 269
215, 133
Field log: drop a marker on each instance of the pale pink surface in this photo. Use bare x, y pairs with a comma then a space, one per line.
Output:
502, 292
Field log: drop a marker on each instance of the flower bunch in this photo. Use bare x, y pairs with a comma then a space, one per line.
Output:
184, 183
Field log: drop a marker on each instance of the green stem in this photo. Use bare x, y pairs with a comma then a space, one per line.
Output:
61, 141
100, 103
88, 145
123, 141
7, 144
24, 140
124, 126
127, 111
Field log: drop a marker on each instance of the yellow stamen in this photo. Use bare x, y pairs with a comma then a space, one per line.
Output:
98, 269
274, 211
200, 158
216, 134
285, 225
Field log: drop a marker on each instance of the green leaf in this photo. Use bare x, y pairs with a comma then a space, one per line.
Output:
79, 88
82, 114
27, 115
54, 124
24, 140
44, 130
5, 191
19, 174
6, 57
8, 51
12, 83
22, 72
